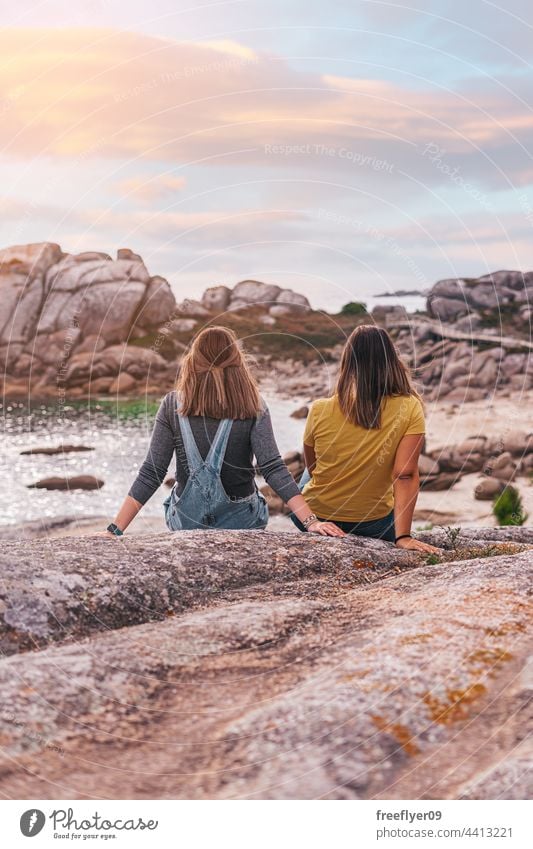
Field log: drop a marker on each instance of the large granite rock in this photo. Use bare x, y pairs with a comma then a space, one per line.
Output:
217, 298
488, 293
55, 305
185, 666
253, 293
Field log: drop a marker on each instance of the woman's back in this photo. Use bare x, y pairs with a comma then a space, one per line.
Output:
352, 479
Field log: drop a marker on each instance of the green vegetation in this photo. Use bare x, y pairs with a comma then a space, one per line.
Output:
432, 559
126, 408
452, 535
354, 308
304, 338
508, 508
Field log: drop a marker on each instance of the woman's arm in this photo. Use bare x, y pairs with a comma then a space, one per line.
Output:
310, 458
280, 479
406, 483
129, 509
154, 468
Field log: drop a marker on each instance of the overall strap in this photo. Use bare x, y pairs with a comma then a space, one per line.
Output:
194, 458
215, 458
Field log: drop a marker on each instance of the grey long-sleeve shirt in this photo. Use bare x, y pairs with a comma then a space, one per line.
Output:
248, 437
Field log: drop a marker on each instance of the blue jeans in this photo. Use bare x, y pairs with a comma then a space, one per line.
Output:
378, 528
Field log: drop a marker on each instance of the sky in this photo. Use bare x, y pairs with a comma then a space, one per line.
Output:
340, 148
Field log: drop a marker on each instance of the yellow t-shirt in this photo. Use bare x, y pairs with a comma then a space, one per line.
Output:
352, 479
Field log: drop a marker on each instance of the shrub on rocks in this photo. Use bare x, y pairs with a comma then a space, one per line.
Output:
508, 508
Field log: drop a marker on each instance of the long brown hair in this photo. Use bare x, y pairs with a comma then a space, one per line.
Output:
215, 379
371, 370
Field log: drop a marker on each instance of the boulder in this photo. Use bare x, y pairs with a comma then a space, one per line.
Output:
450, 289
125, 253
82, 366
238, 304
515, 364
473, 444
396, 312
158, 305
30, 260
24, 364
267, 320
87, 482
53, 305
216, 298
440, 482
293, 457
131, 358
280, 310
191, 307
465, 395
468, 323
276, 505
57, 449
255, 292
181, 325
122, 384
91, 344
446, 309
517, 442
488, 294
293, 302
487, 297
300, 413
514, 280
454, 370
501, 461
100, 385
22, 270
488, 488
428, 466
100, 297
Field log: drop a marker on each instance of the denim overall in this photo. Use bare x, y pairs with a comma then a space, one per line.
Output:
204, 504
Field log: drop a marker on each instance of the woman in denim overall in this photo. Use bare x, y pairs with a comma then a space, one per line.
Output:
204, 503
214, 423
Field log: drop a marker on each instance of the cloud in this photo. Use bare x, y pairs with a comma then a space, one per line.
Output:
162, 186
87, 92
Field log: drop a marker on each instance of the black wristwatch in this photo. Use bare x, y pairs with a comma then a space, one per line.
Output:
113, 529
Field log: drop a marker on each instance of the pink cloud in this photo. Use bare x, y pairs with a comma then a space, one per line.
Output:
83, 92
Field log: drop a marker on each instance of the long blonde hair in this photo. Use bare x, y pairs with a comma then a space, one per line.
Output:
215, 379
370, 371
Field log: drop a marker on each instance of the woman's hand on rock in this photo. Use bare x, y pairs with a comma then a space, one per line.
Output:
326, 529
107, 534
417, 545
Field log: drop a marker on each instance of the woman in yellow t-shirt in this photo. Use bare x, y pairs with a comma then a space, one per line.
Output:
362, 445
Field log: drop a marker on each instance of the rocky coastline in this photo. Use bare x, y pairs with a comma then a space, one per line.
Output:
87, 326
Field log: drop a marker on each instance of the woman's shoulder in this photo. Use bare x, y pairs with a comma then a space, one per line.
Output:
411, 402
170, 399
322, 405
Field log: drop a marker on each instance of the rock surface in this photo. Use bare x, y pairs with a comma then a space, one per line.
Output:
184, 666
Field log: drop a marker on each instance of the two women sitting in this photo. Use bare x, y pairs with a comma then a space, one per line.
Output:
361, 446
